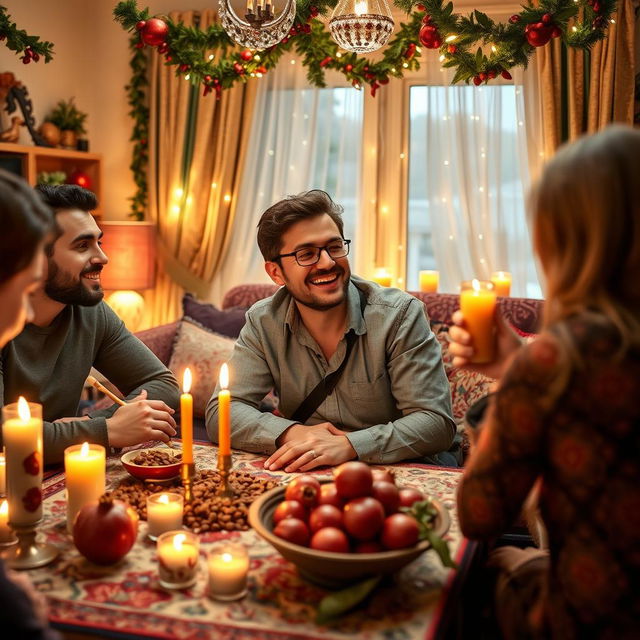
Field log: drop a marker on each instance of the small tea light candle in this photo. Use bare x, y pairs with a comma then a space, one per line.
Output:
501, 283
6, 533
429, 281
382, 277
85, 472
164, 513
228, 567
3, 474
178, 559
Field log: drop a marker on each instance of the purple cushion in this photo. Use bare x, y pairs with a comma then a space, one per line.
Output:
227, 323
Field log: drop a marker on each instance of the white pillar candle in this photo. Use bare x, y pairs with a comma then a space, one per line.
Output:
164, 513
22, 436
85, 472
178, 559
3, 474
6, 533
228, 567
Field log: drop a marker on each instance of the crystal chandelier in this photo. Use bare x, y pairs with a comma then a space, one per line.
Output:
260, 29
361, 26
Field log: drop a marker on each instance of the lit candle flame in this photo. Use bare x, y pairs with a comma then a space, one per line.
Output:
84, 450
361, 7
186, 381
226, 557
23, 409
224, 376
164, 498
4, 508
475, 284
178, 541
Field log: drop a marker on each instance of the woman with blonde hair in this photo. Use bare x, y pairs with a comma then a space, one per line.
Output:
566, 416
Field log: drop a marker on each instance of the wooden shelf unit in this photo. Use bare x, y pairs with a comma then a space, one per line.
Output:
35, 160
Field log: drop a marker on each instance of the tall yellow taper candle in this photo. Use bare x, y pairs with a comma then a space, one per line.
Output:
224, 413
186, 418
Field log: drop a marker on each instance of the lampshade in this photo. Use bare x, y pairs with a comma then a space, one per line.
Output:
131, 249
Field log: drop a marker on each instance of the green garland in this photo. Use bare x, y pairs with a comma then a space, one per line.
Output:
21, 42
212, 60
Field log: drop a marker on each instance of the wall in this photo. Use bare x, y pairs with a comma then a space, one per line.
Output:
91, 64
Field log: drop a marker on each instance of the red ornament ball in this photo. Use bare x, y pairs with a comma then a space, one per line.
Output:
547, 18
140, 25
80, 178
429, 37
506, 75
514, 19
154, 32
538, 34
246, 55
348, 67
452, 48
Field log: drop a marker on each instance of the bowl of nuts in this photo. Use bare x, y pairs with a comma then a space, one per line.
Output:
152, 464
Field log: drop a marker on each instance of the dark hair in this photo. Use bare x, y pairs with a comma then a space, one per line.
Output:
24, 223
67, 196
275, 221
62, 198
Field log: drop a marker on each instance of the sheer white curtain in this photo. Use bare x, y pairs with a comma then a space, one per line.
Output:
301, 138
469, 176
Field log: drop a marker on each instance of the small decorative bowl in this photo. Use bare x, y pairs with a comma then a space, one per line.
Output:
144, 472
329, 569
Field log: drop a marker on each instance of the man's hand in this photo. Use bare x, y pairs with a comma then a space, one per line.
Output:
461, 346
139, 421
306, 448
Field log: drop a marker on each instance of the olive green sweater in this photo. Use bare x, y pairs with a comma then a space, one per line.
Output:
50, 364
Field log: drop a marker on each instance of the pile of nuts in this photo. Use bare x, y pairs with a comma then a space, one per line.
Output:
207, 511
156, 458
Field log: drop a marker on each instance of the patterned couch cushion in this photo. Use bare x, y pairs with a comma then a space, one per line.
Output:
203, 351
160, 340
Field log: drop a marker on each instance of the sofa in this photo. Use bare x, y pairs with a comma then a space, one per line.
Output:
203, 338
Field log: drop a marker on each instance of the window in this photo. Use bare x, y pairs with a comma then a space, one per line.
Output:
465, 195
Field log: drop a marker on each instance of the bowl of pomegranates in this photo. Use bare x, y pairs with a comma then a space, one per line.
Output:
345, 528
152, 464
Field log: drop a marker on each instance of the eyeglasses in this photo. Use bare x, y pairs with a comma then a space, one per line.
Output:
308, 256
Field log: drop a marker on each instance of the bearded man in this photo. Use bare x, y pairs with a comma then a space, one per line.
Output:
358, 371
73, 330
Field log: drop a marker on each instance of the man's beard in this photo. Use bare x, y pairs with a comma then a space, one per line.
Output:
62, 287
323, 306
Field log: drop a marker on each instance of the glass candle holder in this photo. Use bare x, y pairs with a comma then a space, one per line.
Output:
164, 513
478, 303
178, 559
228, 568
429, 281
501, 283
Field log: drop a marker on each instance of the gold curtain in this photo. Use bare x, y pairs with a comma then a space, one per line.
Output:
197, 147
583, 92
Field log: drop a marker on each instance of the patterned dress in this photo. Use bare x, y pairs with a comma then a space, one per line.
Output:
569, 415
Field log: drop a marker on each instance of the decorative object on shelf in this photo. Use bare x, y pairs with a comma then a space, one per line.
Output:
261, 28
16, 95
131, 248
80, 178
54, 178
50, 133
70, 120
361, 26
30, 47
13, 132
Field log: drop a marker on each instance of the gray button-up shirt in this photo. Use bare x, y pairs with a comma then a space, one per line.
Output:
393, 397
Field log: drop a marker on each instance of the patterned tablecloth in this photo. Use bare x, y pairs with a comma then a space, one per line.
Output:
127, 599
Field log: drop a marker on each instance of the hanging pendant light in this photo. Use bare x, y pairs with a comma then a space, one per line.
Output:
261, 28
361, 26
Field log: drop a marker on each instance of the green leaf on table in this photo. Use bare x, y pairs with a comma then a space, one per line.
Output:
339, 602
441, 547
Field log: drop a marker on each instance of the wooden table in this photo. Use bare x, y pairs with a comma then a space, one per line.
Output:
126, 600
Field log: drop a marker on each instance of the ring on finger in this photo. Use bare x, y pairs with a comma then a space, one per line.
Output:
314, 455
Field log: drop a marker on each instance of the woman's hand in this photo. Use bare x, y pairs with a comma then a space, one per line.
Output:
461, 346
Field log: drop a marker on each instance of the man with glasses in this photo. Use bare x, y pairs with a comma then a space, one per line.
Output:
357, 369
